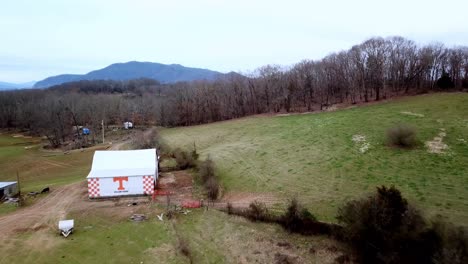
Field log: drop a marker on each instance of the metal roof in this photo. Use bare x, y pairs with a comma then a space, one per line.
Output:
6, 184
123, 163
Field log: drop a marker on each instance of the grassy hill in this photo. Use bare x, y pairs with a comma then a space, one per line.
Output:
38, 168
103, 231
313, 156
212, 236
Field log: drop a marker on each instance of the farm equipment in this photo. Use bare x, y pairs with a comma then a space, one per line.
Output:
66, 227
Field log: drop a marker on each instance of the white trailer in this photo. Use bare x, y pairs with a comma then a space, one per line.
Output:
66, 227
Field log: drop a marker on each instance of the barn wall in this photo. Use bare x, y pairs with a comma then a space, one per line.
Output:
120, 185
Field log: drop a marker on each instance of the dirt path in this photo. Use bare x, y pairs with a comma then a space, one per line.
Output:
244, 199
45, 213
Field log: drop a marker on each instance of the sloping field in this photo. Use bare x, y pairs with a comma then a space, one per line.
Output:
38, 168
327, 158
103, 234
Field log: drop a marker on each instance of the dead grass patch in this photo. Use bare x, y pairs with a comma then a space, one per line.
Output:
412, 114
436, 145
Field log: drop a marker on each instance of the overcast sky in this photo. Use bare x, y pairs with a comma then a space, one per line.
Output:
50, 37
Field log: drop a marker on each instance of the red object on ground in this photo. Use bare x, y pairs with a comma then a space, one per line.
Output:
191, 204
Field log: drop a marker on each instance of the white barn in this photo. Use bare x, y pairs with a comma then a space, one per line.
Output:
123, 172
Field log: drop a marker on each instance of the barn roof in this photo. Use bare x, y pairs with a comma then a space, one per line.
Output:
123, 163
6, 184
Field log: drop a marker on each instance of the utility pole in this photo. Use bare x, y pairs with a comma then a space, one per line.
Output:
20, 201
102, 123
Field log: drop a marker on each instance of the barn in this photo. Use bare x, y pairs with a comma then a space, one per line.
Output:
8, 189
123, 172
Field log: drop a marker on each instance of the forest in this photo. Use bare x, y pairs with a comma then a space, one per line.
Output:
377, 69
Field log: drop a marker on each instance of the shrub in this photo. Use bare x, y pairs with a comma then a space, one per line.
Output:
229, 208
184, 248
402, 136
257, 211
305, 214
212, 188
183, 159
384, 228
206, 170
292, 220
299, 220
445, 82
195, 155
453, 243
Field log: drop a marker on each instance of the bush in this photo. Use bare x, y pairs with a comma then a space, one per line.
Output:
229, 208
184, 248
212, 188
195, 155
402, 136
206, 170
445, 82
183, 159
384, 228
299, 220
453, 243
258, 212
292, 220
305, 214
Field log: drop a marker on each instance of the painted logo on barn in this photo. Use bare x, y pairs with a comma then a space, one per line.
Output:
121, 185
120, 180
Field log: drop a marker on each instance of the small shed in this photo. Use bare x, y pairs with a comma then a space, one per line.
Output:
122, 173
8, 189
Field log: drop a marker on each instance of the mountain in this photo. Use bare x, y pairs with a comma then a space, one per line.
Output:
13, 86
164, 73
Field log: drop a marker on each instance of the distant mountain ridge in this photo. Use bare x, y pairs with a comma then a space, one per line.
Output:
13, 86
164, 73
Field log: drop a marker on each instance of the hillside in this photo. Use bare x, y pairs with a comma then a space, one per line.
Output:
133, 70
314, 157
29, 234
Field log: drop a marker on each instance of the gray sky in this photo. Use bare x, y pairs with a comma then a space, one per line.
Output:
50, 37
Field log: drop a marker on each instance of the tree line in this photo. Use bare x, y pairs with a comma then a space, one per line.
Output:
373, 70
376, 69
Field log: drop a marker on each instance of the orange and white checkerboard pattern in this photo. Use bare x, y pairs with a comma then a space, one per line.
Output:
148, 184
93, 187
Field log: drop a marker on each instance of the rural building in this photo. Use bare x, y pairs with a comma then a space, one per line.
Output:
8, 189
128, 125
123, 172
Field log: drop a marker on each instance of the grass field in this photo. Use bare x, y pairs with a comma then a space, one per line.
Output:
212, 237
104, 233
38, 168
313, 156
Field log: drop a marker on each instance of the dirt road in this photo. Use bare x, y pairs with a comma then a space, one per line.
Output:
45, 213
48, 210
